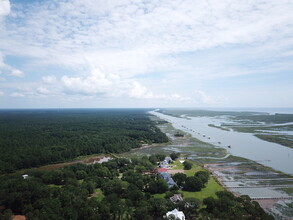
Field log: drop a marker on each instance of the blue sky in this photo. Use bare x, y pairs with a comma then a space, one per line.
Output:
132, 53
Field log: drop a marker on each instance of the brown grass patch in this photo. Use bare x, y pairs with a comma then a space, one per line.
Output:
18, 217
175, 171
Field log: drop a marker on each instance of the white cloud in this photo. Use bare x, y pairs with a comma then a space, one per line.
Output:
202, 98
43, 91
4, 7
17, 94
135, 37
141, 92
17, 73
162, 41
97, 83
94, 84
1, 93
49, 79
5, 68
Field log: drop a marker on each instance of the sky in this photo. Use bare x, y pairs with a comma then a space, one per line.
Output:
142, 53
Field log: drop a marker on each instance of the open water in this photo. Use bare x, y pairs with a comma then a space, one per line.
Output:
240, 144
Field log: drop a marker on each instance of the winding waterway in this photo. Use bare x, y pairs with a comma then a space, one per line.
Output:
240, 144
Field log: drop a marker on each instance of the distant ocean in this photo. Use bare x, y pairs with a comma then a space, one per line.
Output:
266, 110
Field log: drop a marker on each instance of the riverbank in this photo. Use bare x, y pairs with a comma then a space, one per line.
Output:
238, 175
239, 144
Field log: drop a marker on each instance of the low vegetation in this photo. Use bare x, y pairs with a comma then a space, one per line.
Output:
284, 140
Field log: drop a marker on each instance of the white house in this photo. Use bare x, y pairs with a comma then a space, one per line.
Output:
25, 176
177, 214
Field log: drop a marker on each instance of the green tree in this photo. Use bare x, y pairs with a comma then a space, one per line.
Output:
203, 176
193, 184
187, 165
174, 155
179, 178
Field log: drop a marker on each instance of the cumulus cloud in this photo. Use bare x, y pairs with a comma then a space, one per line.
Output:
202, 98
95, 83
17, 94
17, 73
49, 79
4, 7
43, 91
135, 37
141, 92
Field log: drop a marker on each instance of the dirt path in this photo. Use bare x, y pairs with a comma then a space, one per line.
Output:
87, 160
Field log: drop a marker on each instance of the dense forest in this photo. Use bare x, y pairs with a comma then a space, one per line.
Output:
119, 189
30, 138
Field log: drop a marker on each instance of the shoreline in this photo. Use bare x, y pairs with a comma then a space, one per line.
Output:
248, 174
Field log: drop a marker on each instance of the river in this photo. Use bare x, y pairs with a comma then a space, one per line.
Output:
241, 144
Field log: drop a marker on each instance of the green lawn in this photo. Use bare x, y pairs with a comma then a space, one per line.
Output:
210, 190
193, 170
178, 166
159, 195
211, 187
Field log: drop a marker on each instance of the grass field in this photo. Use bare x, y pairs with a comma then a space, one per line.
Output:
211, 187
179, 166
210, 190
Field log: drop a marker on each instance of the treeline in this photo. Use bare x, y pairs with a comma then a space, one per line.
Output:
118, 189
30, 138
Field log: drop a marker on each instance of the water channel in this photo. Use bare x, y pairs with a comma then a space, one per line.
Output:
240, 144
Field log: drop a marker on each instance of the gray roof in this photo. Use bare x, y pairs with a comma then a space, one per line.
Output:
176, 198
167, 177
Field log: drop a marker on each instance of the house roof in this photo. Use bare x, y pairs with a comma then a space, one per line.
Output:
176, 198
160, 170
177, 214
167, 177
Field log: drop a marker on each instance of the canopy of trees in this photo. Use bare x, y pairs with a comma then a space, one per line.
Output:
227, 206
192, 183
30, 138
112, 190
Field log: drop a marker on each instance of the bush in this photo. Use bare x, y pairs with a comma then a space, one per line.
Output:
187, 165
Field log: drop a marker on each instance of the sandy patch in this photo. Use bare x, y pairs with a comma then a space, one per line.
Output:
19, 217
267, 203
175, 171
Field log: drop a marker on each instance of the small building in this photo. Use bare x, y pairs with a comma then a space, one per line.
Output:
168, 160
176, 198
164, 164
167, 177
24, 176
177, 214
